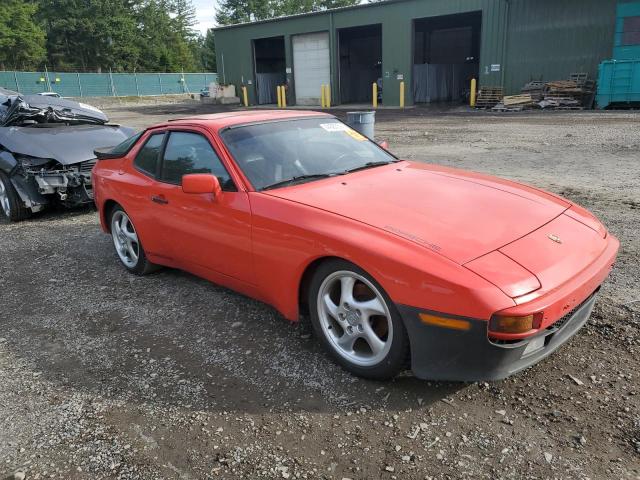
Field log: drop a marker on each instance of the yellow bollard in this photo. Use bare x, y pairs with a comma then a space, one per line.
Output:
327, 96
245, 96
322, 98
472, 96
284, 96
279, 97
375, 95
401, 94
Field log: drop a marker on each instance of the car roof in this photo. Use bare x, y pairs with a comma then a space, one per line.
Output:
218, 121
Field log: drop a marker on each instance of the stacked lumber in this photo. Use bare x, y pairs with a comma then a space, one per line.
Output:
535, 89
489, 97
514, 103
576, 93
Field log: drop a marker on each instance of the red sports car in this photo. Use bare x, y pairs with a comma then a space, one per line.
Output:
458, 275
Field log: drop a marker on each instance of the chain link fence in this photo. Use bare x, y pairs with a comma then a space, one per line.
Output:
68, 84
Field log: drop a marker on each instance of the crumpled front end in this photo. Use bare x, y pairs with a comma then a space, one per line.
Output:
41, 182
52, 163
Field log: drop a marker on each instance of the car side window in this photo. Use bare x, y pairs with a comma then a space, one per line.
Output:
188, 153
149, 154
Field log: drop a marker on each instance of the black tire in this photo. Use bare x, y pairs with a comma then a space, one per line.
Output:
397, 357
17, 209
142, 266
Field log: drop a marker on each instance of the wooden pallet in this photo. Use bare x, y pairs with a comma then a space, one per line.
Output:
513, 100
489, 97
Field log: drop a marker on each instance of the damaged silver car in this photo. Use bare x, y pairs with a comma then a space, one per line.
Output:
46, 151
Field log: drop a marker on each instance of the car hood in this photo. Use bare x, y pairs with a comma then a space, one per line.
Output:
68, 144
15, 109
458, 214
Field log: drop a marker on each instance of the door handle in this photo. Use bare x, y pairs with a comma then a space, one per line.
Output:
159, 199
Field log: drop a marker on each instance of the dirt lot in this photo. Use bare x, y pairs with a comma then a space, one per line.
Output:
107, 375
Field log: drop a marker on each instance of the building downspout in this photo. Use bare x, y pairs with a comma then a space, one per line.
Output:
504, 45
333, 55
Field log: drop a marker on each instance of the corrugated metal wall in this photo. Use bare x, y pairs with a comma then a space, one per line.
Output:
234, 44
631, 8
105, 84
549, 39
546, 39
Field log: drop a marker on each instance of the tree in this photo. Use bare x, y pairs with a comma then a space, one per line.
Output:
209, 52
91, 34
22, 41
162, 45
241, 11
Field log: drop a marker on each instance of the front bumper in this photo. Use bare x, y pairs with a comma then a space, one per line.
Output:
444, 354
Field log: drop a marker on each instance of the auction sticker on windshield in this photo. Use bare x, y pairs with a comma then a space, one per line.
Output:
341, 127
334, 127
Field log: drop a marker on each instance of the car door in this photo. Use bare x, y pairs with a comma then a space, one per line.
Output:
203, 230
138, 181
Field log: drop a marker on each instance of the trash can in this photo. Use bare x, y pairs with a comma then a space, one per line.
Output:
363, 122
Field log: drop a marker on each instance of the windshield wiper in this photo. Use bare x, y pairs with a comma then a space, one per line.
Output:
369, 165
299, 179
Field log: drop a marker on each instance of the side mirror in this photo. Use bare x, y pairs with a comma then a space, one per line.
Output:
384, 144
201, 183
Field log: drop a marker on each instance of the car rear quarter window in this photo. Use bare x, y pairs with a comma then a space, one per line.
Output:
188, 153
148, 156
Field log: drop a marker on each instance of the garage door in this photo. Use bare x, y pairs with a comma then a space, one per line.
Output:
310, 66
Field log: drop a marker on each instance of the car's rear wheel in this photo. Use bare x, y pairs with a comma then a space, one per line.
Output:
127, 244
11, 205
357, 322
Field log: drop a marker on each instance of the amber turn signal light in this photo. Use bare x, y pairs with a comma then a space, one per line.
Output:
507, 324
453, 323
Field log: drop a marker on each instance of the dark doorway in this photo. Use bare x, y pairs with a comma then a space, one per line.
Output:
270, 66
360, 62
446, 57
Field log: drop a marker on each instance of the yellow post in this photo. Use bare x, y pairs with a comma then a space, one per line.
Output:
401, 94
284, 96
279, 97
327, 96
245, 96
375, 95
472, 97
322, 99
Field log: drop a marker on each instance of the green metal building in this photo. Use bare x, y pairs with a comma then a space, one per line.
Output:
434, 46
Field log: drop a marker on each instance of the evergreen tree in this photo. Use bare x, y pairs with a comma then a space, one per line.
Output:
209, 52
22, 41
90, 34
241, 11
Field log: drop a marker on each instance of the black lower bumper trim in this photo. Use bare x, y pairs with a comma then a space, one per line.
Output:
444, 354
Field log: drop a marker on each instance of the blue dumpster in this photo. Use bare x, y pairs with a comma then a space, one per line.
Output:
618, 83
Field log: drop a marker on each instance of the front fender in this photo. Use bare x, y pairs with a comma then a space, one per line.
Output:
288, 236
7, 162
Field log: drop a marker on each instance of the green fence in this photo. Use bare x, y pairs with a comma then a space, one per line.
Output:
105, 84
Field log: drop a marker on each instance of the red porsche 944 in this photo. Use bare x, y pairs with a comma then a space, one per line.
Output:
398, 264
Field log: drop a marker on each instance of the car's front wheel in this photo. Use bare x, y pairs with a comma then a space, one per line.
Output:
127, 244
357, 322
11, 205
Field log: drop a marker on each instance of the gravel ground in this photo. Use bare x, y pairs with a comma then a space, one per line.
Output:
107, 375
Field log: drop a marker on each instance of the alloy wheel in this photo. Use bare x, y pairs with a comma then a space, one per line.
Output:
4, 199
355, 318
125, 239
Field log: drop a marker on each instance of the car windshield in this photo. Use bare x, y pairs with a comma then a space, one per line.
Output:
280, 153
